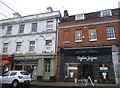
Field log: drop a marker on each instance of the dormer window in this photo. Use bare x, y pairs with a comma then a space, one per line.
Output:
80, 17
105, 13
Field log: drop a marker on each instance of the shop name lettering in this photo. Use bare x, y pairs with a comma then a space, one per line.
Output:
87, 58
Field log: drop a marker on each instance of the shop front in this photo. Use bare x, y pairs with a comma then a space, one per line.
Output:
80, 64
41, 67
6, 63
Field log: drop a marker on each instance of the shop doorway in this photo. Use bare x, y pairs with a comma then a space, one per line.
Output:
46, 76
87, 70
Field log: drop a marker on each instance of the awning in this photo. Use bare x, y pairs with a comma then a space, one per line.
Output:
3, 62
6, 57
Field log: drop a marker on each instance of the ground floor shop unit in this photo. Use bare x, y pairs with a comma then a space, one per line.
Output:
42, 67
81, 63
6, 63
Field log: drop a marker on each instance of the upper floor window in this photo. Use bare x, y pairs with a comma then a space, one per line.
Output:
5, 47
78, 36
49, 25
105, 13
34, 27
9, 29
18, 46
48, 42
21, 28
80, 17
92, 35
32, 46
110, 32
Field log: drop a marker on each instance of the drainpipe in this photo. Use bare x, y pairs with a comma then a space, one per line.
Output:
115, 63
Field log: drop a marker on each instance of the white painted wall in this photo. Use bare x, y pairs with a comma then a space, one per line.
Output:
28, 36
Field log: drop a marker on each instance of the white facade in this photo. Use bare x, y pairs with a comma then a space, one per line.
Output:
43, 42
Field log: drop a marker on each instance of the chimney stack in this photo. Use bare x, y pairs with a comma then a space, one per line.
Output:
65, 14
49, 9
16, 14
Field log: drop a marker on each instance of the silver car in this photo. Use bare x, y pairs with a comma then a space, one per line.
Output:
15, 78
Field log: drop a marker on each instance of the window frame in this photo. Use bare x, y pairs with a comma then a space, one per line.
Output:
21, 28
5, 48
18, 46
34, 27
105, 13
49, 42
49, 24
94, 31
79, 16
9, 30
31, 46
80, 37
110, 32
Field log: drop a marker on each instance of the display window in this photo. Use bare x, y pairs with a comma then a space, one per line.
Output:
72, 70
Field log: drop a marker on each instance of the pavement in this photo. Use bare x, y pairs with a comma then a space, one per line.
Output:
72, 84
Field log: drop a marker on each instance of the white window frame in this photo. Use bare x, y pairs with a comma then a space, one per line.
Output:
21, 28
110, 30
9, 30
5, 47
49, 24
78, 35
31, 46
34, 27
18, 46
92, 34
79, 17
49, 45
105, 13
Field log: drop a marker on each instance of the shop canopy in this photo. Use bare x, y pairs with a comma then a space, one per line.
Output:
5, 59
3, 62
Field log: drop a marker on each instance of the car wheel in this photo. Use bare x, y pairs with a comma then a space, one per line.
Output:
15, 84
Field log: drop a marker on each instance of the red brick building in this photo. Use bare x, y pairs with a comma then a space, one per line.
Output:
89, 45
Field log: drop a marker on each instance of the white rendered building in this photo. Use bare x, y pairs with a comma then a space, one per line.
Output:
32, 40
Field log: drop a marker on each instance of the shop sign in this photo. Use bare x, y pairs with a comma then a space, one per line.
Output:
87, 58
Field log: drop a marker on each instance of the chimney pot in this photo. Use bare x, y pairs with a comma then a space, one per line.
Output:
66, 14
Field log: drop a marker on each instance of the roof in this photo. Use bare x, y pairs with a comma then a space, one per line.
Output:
92, 15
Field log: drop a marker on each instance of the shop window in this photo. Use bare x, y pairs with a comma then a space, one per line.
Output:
34, 27
18, 67
72, 70
32, 46
9, 29
78, 36
110, 33
103, 70
92, 35
21, 28
5, 47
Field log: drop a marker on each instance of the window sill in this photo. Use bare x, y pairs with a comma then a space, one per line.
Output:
31, 52
111, 38
93, 40
66, 42
78, 41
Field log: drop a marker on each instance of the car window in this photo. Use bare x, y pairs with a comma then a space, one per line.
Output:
6, 74
13, 73
24, 73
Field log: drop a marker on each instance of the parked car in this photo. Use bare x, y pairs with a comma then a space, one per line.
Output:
15, 78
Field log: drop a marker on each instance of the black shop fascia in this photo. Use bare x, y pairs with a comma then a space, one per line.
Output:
72, 57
